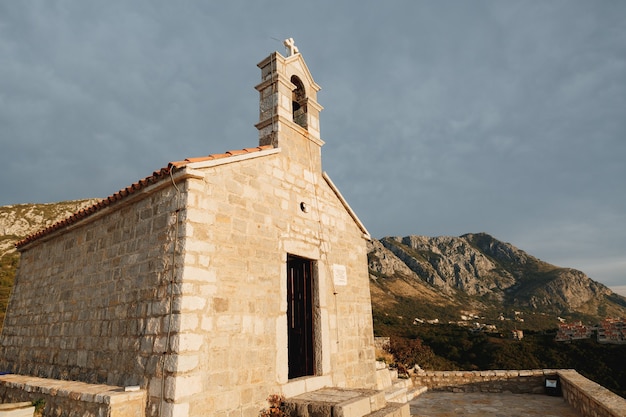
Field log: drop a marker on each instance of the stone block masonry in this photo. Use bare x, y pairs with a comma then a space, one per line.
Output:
589, 398
235, 291
69, 398
507, 381
93, 304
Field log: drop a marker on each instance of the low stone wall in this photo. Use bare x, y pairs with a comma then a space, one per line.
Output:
584, 395
381, 342
516, 382
70, 398
589, 398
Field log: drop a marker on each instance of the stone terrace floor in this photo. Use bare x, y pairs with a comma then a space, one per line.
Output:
440, 404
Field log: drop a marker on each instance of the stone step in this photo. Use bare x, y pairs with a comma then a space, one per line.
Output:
403, 382
336, 402
396, 394
402, 392
392, 410
383, 378
415, 392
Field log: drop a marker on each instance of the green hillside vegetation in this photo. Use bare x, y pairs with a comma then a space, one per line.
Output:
452, 347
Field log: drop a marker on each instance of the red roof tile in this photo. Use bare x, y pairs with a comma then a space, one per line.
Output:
156, 176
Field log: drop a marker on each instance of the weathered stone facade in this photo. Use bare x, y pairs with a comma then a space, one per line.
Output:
179, 284
90, 303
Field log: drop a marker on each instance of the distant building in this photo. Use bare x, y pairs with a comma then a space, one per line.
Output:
573, 331
612, 331
517, 334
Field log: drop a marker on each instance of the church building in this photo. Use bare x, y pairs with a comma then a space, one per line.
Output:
210, 284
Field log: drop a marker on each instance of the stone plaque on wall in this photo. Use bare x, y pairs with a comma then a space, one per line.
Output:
340, 276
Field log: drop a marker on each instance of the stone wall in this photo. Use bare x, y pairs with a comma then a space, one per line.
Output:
584, 395
381, 343
67, 398
92, 303
589, 398
516, 382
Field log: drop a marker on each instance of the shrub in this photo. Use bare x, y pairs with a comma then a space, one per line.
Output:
410, 352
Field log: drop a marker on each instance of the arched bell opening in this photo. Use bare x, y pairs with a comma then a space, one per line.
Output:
299, 102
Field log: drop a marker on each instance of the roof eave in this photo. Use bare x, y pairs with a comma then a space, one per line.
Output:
116, 201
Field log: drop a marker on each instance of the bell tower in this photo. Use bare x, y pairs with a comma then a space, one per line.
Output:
288, 108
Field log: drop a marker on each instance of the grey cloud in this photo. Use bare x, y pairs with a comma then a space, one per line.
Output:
440, 117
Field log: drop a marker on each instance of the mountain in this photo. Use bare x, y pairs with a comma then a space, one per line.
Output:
442, 277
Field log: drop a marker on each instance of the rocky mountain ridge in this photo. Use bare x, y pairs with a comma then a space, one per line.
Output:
20, 220
476, 271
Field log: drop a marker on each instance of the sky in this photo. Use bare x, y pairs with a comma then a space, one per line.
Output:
440, 117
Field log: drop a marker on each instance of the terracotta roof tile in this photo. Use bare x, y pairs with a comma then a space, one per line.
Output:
179, 164
156, 176
239, 152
